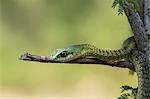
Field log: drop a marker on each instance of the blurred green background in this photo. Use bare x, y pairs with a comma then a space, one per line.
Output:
39, 27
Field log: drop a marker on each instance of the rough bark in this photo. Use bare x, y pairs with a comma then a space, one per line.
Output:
136, 24
147, 15
141, 56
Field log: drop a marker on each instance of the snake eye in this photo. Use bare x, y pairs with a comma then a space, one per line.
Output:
63, 54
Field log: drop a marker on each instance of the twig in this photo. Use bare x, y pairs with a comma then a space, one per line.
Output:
46, 59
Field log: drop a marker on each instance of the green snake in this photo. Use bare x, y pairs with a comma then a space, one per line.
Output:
86, 50
128, 52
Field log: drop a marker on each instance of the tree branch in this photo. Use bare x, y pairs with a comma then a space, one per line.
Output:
136, 24
46, 59
147, 15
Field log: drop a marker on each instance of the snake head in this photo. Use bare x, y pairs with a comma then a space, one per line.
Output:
66, 54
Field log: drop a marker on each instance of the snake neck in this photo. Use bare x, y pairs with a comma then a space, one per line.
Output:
92, 51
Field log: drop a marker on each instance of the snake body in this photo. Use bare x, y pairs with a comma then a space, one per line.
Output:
86, 50
128, 52
142, 66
